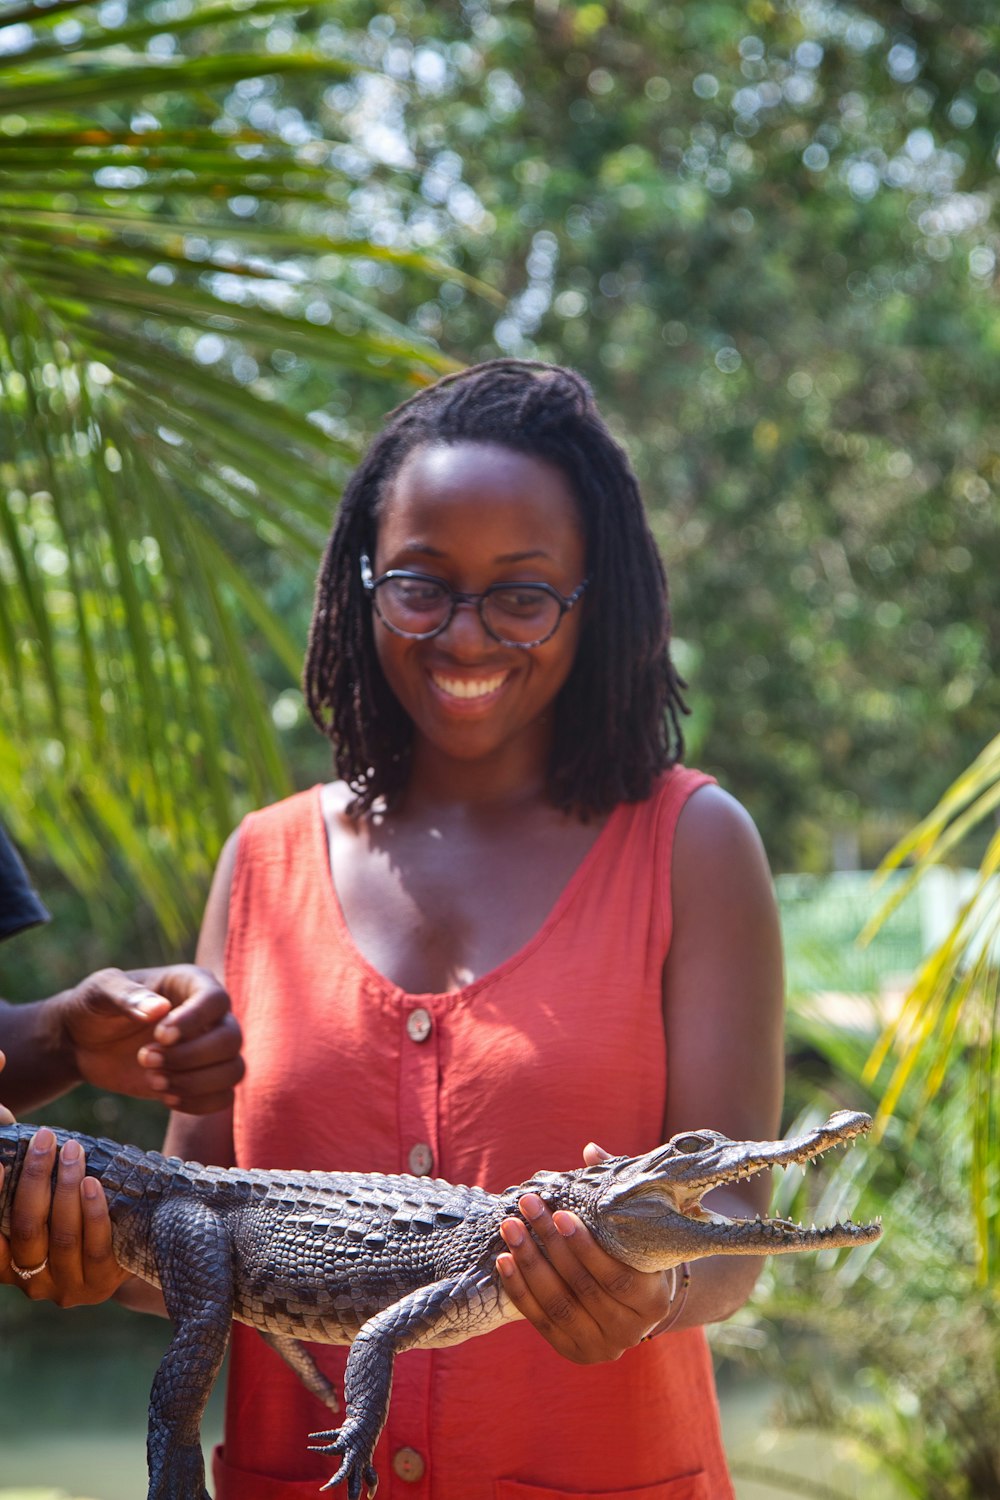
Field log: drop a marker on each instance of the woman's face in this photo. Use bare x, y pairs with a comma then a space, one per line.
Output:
475, 514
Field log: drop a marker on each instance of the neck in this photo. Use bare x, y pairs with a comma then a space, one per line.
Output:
501, 783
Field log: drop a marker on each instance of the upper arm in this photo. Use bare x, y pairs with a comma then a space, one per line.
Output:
211, 950
209, 1138
723, 982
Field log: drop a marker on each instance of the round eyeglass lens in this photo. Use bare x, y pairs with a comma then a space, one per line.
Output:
521, 615
414, 605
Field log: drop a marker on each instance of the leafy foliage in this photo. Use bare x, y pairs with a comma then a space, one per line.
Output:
162, 265
949, 1024
895, 1347
766, 233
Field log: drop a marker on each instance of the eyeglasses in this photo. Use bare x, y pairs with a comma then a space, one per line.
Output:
419, 606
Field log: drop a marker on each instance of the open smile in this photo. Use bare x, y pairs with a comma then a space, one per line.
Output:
468, 689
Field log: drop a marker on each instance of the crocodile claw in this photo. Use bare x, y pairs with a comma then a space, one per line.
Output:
353, 1466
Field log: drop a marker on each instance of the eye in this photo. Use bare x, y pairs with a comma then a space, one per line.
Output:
689, 1144
524, 601
416, 593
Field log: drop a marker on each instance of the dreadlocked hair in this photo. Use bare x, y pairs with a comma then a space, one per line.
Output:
617, 719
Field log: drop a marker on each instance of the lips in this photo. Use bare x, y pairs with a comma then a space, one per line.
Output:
468, 689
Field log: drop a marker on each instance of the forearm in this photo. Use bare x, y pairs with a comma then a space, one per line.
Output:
41, 1063
719, 1284
139, 1296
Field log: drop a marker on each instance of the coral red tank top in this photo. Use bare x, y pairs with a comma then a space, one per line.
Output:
561, 1044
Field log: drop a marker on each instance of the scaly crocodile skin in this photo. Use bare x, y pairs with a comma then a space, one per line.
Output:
384, 1263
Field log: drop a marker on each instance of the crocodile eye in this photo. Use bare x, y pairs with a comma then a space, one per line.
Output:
688, 1144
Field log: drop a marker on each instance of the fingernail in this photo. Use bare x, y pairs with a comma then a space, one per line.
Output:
158, 1081
144, 999
71, 1153
565, 1224
513, 1232
91, 1187
505, 1265
150, 1057
43, 1141
166, 1035
531, 1206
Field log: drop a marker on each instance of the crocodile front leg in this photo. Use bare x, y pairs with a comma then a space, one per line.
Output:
423, 1317
193, 1255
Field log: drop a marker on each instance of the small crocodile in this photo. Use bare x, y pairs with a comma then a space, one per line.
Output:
385, 1263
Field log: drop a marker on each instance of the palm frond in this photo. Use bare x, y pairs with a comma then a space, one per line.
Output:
953, 1004
156, 269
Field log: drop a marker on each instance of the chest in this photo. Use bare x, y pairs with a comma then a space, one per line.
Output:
433, 907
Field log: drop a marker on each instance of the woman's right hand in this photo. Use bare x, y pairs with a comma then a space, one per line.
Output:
61, 1238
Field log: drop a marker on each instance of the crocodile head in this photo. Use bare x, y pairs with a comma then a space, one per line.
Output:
647, 1210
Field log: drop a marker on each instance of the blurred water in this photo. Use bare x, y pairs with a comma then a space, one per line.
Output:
75, 1392
75, 1397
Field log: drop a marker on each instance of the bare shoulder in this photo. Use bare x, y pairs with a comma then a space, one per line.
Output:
718, 854
716, 839
725, 950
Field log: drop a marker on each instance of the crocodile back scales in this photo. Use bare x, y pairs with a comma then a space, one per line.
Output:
318, 1252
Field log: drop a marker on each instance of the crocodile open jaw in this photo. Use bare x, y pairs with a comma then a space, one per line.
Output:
656, 1198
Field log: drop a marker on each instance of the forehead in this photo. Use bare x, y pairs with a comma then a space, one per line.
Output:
470, 485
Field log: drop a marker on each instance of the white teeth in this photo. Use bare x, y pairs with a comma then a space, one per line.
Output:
464, 687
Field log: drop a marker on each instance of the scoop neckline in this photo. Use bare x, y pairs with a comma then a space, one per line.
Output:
439, 999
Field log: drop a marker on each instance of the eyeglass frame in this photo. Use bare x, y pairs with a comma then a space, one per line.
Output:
370, 584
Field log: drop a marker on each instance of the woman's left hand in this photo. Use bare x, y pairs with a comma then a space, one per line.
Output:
588, 1305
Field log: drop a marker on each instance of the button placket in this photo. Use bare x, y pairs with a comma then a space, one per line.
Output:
418, 1098
409, 1433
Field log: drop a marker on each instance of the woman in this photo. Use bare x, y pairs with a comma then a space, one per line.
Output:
513, 924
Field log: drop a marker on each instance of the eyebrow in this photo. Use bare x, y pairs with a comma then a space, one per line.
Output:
506, 557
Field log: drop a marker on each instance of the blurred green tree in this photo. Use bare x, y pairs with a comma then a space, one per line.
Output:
767, 234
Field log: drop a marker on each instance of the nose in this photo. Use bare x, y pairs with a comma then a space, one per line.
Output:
465, 634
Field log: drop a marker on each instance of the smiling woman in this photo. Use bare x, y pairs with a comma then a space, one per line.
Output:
514, 924
482, 518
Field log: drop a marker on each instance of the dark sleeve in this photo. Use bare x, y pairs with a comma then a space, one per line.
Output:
19, 903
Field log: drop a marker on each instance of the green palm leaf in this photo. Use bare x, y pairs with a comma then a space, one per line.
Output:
152, 265
953, 1006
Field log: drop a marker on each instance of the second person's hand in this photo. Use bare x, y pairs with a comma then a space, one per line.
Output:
166, 1034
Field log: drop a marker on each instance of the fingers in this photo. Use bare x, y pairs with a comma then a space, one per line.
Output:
29, 1221
195, 1053
197, 1075
164, 1033
65, 1227
6, 1118
589, 1306
593, 1155
111, 990
61, 1232
198, 1002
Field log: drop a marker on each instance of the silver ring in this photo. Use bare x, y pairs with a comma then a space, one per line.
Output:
27, 1273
